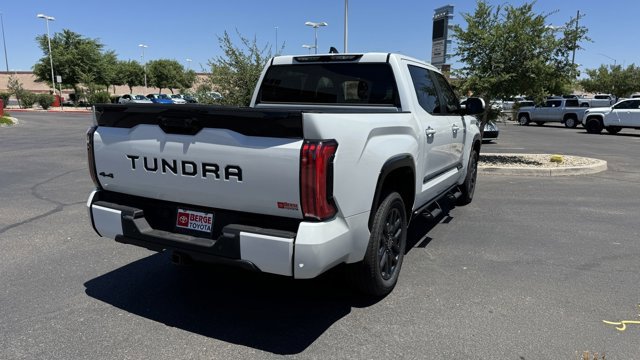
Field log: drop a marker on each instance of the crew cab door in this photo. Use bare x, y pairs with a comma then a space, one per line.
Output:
628, 113
437, 159
451, 110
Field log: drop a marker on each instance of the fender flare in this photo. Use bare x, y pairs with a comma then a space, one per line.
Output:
394, 163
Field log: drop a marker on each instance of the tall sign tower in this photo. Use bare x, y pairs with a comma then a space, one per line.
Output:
440, 42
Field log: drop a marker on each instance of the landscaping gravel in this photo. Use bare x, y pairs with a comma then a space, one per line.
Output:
533, 161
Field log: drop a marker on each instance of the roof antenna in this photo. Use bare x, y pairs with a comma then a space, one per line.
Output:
333, 50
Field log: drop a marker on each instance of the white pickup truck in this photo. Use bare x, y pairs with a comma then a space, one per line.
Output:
624, 114
328, 165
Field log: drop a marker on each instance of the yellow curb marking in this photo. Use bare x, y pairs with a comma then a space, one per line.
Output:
622, 325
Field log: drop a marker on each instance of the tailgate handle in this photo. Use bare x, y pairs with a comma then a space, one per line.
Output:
183, 126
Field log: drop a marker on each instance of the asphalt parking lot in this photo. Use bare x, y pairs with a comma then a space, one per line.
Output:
529, 270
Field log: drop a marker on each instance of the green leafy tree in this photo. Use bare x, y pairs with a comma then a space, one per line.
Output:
74, 56
510, 50
188, 80
130, 73
16, 88
107, 73
236, 72
165, 74
612, 79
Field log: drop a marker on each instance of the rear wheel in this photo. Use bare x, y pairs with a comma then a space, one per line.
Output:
613, 129
594, 126
469, 185
571, 122
377, 274
523, 119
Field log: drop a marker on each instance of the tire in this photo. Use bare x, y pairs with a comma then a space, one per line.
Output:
613, 129
540, 123
571, 122
468, 187
377, 274
594, 126
523, 119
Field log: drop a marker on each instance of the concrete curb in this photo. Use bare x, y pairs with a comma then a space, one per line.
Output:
82, 111
596, 167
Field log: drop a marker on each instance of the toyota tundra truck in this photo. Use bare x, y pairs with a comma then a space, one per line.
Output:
328, 165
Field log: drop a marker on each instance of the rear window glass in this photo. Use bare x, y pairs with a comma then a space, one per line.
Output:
332, 83
572, 103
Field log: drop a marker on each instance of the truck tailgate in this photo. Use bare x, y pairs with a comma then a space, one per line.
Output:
228, 158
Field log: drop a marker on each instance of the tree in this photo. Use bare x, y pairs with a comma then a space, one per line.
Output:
188, 80
236, 73
507, 50
130, 73
74, 57
16, 88
165, 74
612, 79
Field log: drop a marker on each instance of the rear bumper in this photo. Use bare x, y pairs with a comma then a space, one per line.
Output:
304, 253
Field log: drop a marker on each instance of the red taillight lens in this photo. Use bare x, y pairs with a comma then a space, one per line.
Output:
90, 158
316, 178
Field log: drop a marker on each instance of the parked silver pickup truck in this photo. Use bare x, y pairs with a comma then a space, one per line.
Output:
565, 111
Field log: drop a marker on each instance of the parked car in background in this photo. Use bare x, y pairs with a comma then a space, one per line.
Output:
509, 103
599, 100
133, 99
160, 99
490, 132
565, 111
624, 114
177, 99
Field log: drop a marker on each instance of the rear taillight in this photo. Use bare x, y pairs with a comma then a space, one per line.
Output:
316, 178
90, 158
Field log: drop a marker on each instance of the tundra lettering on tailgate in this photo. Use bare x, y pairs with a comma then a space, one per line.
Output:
186, 168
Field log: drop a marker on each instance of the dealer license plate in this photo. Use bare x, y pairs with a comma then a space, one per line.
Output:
194, 220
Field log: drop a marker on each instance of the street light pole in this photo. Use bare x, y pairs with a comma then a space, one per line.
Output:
144, 65
308, 47
4, 43
47, 19
609, 57
276, 40
315, 26
346, 24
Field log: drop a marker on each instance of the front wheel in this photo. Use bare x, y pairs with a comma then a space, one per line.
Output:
377, 274
469, 185
593, 126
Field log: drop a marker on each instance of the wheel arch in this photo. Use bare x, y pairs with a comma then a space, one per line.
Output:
397, 173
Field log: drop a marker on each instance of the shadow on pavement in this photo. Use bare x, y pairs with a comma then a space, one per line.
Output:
270, 313
266, 312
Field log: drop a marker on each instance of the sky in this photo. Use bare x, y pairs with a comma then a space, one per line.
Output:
182, 30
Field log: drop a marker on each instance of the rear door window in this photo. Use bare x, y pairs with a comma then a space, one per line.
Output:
426, 90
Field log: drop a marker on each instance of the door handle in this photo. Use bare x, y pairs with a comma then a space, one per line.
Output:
455, 128
430, 131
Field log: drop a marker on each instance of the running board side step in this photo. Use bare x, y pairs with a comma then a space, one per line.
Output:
433, 209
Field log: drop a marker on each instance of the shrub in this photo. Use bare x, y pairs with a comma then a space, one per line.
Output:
27, 99
5, 98
99, 97
45, 100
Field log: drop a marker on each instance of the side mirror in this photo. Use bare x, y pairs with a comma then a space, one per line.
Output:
474, 106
